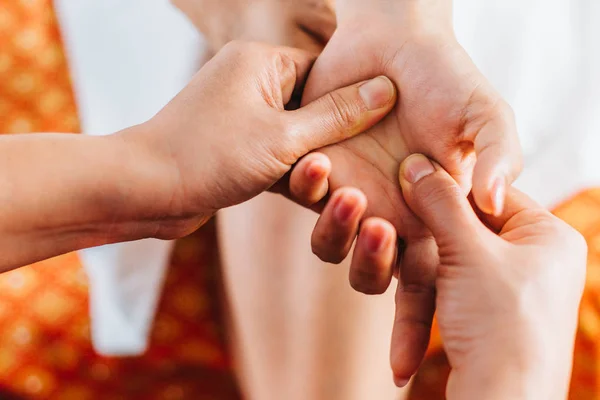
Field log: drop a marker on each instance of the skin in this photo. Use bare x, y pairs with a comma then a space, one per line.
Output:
304, 24
168, 176
507, 288
446, 110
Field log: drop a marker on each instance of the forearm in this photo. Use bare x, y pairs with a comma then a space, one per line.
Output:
60, 193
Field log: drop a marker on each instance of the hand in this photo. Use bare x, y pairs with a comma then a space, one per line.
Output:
304, 24
227, 136
507, 288
446, 110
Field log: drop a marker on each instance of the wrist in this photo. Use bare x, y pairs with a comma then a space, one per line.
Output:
404, 15
155, 204
525, 366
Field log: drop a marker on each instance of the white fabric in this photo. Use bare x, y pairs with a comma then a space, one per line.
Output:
544, 57
130, 57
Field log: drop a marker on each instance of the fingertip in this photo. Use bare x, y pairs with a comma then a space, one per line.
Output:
373, 261
490, 195
400, 381
349, 203
377, 233
338, 225
399, 371
309, 179
318, 167
414, 168
378, 93
499, 163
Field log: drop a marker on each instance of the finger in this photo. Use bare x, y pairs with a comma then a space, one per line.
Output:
293, 66
499, 161
374, 256
342, 114
279, 71
337, 226
437, 200
415, 307
516, 202
309, 179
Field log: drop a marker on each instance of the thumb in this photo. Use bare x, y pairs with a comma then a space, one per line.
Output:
343, 113
438, 201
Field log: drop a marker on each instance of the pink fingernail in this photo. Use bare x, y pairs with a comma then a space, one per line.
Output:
417, 167
315, 171
377, 93
343, 211
374, 240
498, 196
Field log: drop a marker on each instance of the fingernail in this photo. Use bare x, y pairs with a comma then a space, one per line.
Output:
374, 240
498, 196
417, 167
343, 211
401, 382
315, 171
377, 93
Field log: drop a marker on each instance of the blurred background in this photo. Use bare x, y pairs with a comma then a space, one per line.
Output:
153, 321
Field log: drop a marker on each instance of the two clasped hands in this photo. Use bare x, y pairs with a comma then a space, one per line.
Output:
398, 136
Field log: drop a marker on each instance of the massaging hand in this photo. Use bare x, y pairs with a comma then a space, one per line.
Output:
507, 288
227, 137
446, 110
304, 24
507, 295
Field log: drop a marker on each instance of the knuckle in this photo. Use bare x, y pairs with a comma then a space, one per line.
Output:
289, 149
505, 110
285, 63
346, 113
435, 191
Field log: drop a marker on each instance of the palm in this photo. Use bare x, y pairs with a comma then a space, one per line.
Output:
439, 86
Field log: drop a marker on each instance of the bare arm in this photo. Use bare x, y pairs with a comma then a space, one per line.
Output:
411, 12
65, 192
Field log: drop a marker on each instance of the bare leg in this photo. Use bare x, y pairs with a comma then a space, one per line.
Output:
300, 331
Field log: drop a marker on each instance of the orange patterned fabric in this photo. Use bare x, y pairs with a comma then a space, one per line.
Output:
45, 347
35, 88
583, 213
